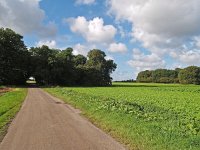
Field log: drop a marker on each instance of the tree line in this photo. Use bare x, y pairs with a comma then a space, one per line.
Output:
50, 66
188, 75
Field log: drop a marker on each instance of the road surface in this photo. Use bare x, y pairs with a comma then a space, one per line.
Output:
46, 123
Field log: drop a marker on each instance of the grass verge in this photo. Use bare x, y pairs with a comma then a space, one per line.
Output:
10, 104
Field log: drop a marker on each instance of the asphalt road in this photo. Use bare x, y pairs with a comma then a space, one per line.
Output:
46, 123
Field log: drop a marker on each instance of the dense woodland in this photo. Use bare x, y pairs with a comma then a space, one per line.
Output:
50, 66
189, 75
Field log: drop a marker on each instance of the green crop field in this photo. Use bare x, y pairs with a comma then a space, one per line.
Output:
10, 103
143, 116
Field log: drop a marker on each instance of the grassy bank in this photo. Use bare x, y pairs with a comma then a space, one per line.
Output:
10, 103
143, 116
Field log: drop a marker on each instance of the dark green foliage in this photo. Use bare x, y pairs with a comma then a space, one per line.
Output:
165, 76
127, 81
190, 75
57, 67
159, 76
14, 58
50, 66
145, 76
79, 60
99, 68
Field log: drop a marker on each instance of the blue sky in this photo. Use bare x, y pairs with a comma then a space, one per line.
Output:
137, 34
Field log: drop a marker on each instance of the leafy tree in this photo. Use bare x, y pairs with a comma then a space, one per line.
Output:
50, 66
99, 69
81, 73
14, 58
110, 66
159, 76
145, 76
80, 60
63, 68
65, 63
42, 61
96, 59
190, 75
165, 76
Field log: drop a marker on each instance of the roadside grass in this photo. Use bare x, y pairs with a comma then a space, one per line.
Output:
142, 116
10, 104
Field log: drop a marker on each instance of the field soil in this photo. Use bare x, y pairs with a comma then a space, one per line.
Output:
46, 123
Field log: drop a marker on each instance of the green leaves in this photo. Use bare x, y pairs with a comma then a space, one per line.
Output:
190, 75
50, 66
14, 58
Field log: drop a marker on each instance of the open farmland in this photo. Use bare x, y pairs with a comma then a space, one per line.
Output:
10, 103
143, 116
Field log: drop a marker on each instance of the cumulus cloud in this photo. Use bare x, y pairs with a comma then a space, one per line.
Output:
197, 41
92, 30
25, 17
179, 18
142, 62
117, 47
161, 26
50, 44
82, 49
108, 57
86, 2
190, 57
121, 31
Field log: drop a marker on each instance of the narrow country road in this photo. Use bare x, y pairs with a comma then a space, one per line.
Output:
46, 123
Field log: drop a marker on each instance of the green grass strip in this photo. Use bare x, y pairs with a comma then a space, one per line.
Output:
10, 104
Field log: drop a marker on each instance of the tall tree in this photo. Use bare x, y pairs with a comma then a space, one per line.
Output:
80, 60
50, 66
165, 76
99, 68
190, 75
43, 59
145, 76
14, 58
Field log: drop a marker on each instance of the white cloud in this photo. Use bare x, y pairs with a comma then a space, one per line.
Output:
142, 62
146, 16
25, 17
109, 57
86, 2
93, 30
117, 47
121, 31
190, 57
82, 49
50, 44
197, 41
163, 28
160, 25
